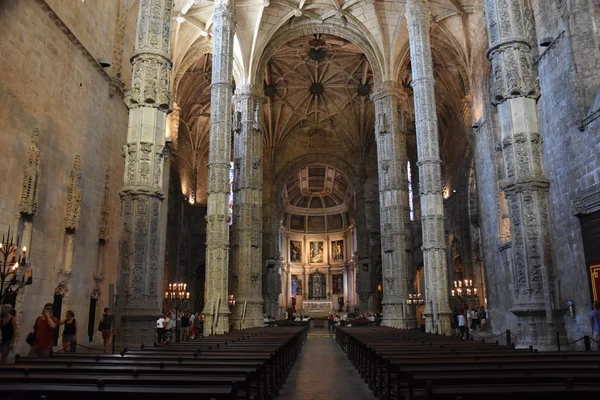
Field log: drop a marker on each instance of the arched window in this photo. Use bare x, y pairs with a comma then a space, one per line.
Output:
410, 192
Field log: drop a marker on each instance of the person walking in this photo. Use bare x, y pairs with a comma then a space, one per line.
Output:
69, 332
8, 326
106, 327
43, 329
594, 323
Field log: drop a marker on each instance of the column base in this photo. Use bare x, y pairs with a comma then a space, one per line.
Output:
221, 327
534, 330
252, 319
137, 330
441, 326
394, 315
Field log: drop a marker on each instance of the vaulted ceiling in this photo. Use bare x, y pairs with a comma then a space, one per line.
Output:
322, 80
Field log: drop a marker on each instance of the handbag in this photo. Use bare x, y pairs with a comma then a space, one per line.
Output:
100, 326
30, 339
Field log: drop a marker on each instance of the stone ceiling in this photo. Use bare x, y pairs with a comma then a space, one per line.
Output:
321, 81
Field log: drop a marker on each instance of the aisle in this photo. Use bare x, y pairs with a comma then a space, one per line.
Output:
323, 372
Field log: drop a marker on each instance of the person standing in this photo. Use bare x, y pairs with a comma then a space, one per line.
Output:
106, 325
462, 324
8, 326
169, 326
185, 326
44, 328
594, 318
70, 332
160, 329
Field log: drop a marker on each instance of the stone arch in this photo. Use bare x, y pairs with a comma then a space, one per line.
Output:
195, 52
317, 158
297, 30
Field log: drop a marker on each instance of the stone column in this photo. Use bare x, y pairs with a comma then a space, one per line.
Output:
217, 237
142, 194
393, 203
515, 92
437, 309
246, 251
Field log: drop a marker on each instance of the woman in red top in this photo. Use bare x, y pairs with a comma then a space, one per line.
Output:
44, 333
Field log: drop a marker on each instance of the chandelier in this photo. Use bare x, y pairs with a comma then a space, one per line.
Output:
15, 271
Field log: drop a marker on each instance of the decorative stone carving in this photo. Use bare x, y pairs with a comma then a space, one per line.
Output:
393, 206
587, 201
73, 212
31, 179
515, 91
217, 242
174, 122
437, 309
103, 226
140, 271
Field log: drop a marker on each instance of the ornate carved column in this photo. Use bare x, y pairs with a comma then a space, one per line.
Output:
515, 92
393, 203
437, 309
140, 272
217, 237
246, 251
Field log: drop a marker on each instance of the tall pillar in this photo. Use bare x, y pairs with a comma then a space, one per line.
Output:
437, 309
216, 309
393, 204
246, 251
148, 101
515, 92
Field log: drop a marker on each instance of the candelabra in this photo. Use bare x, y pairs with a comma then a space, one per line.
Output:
175, 297
231, 300
415, 299
465, 293
15, 270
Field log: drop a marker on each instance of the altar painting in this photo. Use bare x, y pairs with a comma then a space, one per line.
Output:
316, 252
337, 282
337, 251
295, 251
296, 285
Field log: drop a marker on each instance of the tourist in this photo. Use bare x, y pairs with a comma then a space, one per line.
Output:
305, 318
185, 326
8, 326
462, 324
106, 327
69, 332
43, 329
378, 319
192, 325
160, 329
330, 323
169, 325
265, 320
482, 317
297, 319
594, 323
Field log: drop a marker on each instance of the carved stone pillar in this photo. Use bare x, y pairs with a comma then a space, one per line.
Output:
393, 203
140, 272
216, 308
515, 92
361, 251
246, 251
437, 309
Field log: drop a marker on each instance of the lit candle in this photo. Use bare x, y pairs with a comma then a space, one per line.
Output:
24, 252
455, 284
459, 283
466, 282
170, 286
184, 286
468, 292
475, 290
470, 282
187, 295
166, 295
452, 292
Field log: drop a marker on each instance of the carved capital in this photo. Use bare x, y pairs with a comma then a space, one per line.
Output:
587, 201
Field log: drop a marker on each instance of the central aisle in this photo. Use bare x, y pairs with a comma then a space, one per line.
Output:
323, 372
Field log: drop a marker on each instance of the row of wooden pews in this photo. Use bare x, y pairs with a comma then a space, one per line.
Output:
408, 364
248, 364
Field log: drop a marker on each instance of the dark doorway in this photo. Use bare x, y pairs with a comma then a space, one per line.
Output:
57, 312
590, 231
92, 318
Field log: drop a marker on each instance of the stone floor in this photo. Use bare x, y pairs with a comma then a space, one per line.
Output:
322, 372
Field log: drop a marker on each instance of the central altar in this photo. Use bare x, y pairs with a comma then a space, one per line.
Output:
317, 308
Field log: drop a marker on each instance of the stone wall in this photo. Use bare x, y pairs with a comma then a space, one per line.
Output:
568, 83
46, 82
